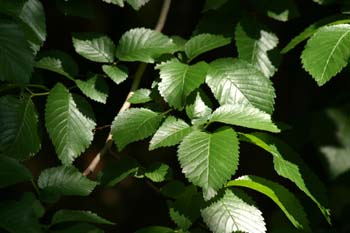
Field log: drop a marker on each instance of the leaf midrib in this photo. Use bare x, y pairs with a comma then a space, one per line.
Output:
332, 52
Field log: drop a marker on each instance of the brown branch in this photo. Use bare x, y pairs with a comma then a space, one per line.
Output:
136, 82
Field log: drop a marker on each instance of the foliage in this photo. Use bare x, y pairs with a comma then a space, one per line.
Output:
205, 104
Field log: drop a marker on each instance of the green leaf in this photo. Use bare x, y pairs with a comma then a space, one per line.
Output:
94, 46
180, 42
287, 202
20, 216
32, 17
178, 80
173, 189
244, 115
203, 43
16, 58
338, 161
114, 173
62, 216
279, 10
310, 30
133, 125
137, 4
80, 228
146, 45
230, 214
158, 172
59, 62
213, 4
65, 180
140, 96
12, 172
155, 229
19, 137
185, 210
288, 164
117, 74
95, 88
326, 52
253, 43
208, 160
116, 2
170, 133
69, 129
235, 81
198, 109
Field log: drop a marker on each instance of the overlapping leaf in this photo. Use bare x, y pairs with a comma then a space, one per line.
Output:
63, 215
178, 80
59, 62
326, 52
170, 133
133, 125
95, 88
253, 44
289, 165
288, 203
236, 81
231, 213
244, 115
203, 43
117, 74
137, 4
12, 172
140, 96
16, 58
158, 172
20, 216
69, 128
65, 180
198, 109
32, 18
19, 137
208, 160
95, 47
116, 2
146, 45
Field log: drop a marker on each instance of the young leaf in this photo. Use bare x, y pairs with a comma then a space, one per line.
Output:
310, 30
20, 216
326, 52
116, 2
32, 17
133, 125
230, 214
178, 80
170, 133
208, 160
244, 115
95, 47
95, 88
198, 109
288, 203
157, 172
15, 55
69, 129
253, 43
65, 180
146, 45
155, 229
117, 74
114, 173
19, 137
288, 164
12, 172
203, 43
140, 96
137, 4
59, 62
62, 216
235, 81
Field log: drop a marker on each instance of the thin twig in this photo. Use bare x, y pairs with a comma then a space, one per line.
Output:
136, 82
